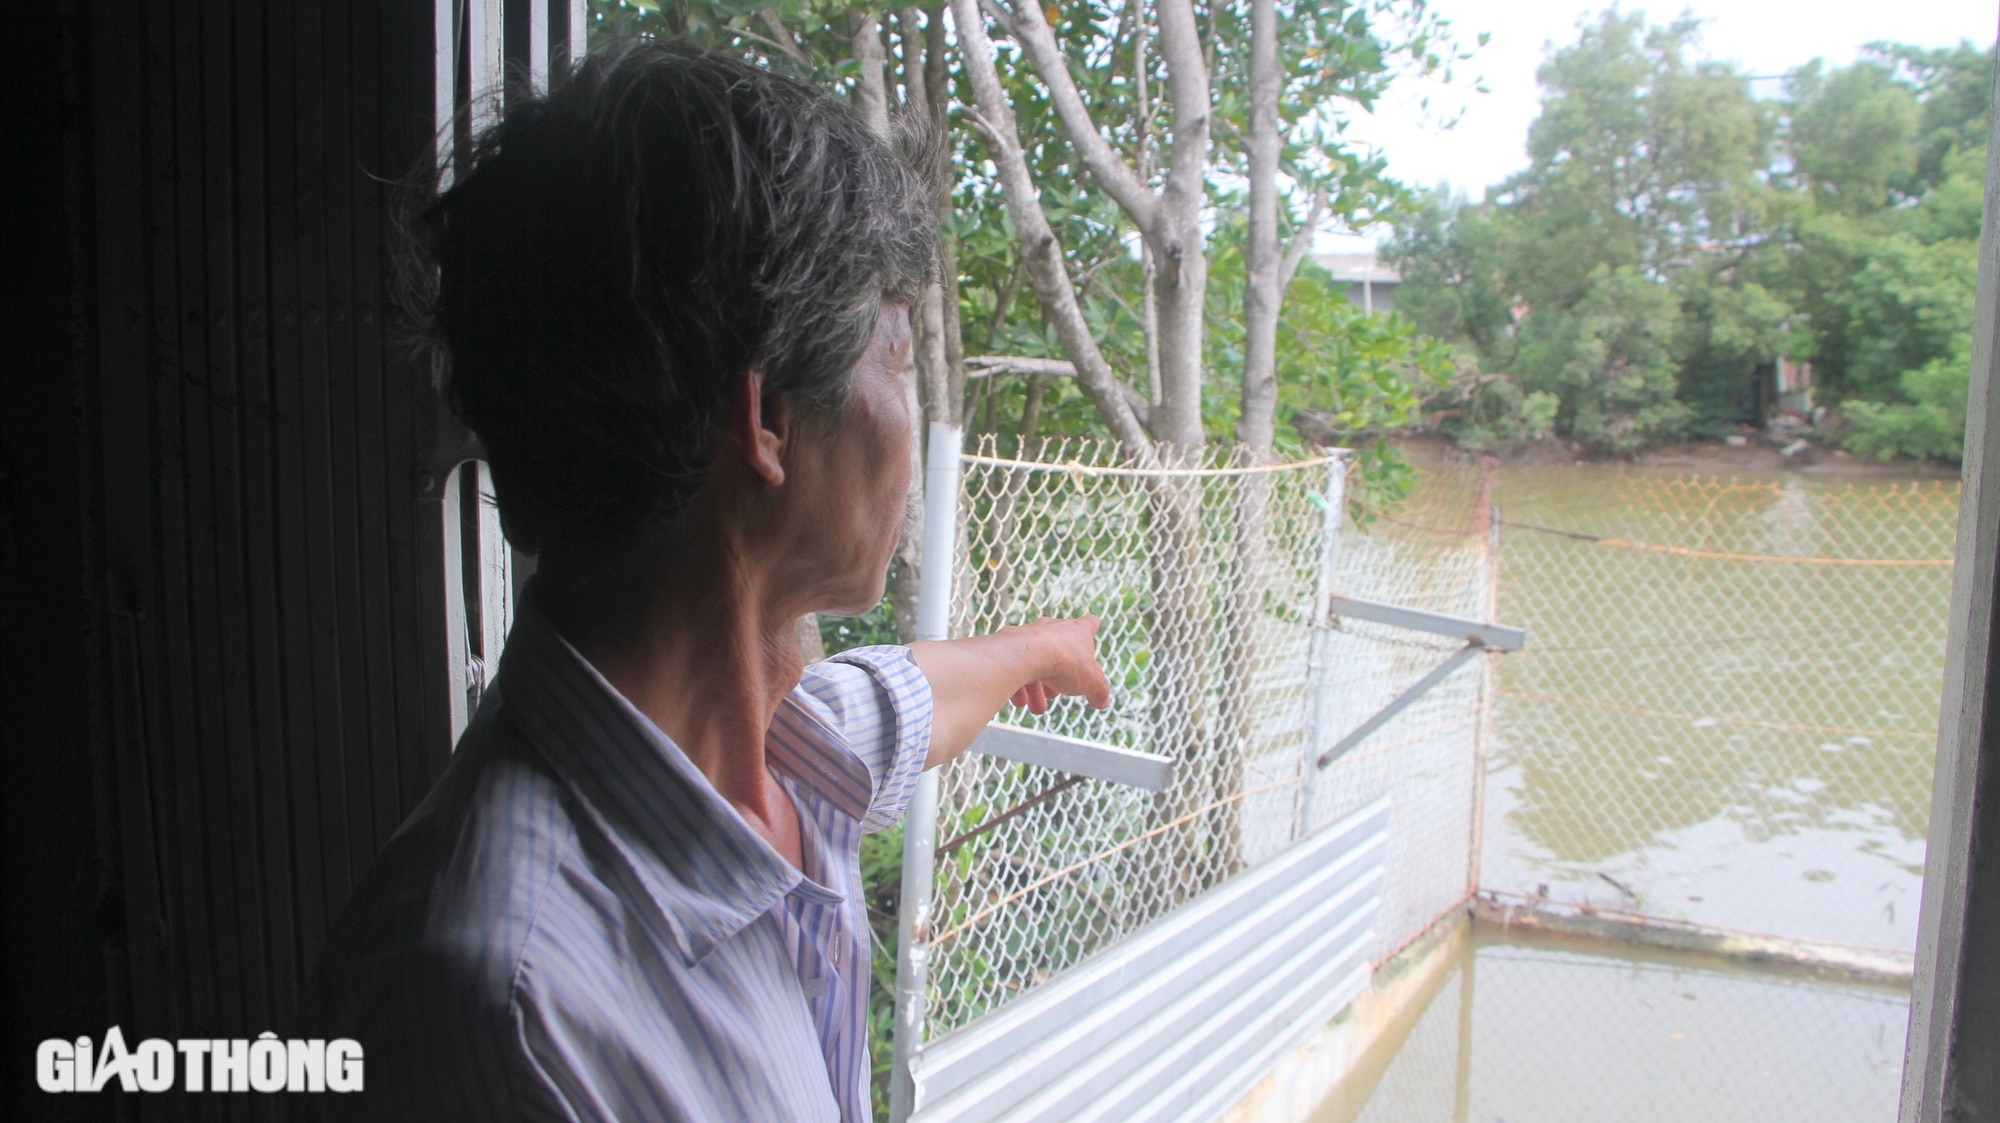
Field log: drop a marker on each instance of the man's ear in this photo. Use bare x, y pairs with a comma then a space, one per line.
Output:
766, 425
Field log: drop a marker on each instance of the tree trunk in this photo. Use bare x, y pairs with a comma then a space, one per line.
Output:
1262, 289
871, 96
934, 364
1262, 266
1180, 274
938, 91
871, 100
1041, 255
1181, 618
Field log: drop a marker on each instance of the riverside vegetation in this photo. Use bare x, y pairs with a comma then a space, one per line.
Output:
1682, 226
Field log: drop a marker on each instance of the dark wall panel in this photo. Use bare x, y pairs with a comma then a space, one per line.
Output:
260, 439
56, 920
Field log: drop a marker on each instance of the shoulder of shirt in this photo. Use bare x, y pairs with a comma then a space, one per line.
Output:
459, 888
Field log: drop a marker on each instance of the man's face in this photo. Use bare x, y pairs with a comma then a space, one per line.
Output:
855, 478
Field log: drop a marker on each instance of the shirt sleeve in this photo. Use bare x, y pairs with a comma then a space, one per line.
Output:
880, 703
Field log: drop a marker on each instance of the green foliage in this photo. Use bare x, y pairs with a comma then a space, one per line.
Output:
1640, 152
1954, 87
1609, 359
876, 626
881, 882
1673, 237
1930, 425
1342, 373
1454, 261
818, 47
1853, 136
1880, 299
1492, 412
1331, 359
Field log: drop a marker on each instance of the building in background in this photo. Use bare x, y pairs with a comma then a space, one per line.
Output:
1364, 279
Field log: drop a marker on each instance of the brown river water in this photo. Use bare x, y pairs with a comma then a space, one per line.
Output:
1726, 714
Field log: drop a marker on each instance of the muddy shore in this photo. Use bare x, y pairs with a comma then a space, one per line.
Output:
1754, 455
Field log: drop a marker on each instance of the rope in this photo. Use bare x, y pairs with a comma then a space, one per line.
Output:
1079, 468
1713, 555
1789, 725
1135, 840
1704, 641
1020, 808
1385, 516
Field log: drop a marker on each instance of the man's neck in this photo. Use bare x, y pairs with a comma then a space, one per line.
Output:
695, 645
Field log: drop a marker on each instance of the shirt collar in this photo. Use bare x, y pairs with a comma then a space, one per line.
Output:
709, 874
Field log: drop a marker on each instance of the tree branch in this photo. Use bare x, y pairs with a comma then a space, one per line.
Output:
1187, 88
871, 97
992, 366
1038, 41
1001, 16
1302, 240
781, 36
1040, 254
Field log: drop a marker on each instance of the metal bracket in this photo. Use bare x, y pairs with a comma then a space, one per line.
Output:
1478, 637
1498, 637
1083, 758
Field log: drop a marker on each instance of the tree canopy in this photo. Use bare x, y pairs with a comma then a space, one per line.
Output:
1675, 235
1159, 309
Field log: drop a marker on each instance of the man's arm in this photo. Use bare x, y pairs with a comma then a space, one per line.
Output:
1027, 665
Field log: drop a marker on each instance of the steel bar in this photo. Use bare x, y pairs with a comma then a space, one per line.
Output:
920, 820
945, 849
1069, 754
1401, 702
1498, 637
1319, 653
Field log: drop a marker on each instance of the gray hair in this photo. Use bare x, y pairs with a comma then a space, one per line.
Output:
620, 251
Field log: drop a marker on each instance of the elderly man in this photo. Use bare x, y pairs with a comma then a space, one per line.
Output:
674, 299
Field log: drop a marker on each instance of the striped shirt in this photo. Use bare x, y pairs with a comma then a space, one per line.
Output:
575, 925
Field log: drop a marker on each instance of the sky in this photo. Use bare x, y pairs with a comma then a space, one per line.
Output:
1768, 37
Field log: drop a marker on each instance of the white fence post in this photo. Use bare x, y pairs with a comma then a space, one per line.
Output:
1489, 699
934, 592
1319, 656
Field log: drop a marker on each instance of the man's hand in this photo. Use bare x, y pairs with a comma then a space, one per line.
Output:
1028, 665
1070, 648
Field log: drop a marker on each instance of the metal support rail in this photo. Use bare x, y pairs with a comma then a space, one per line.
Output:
1079, 758
1149, 771
1479, 637
913, 922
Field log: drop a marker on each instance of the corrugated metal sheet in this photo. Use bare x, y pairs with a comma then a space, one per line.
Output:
259, 442
1178, 1021
258, 458
265, 481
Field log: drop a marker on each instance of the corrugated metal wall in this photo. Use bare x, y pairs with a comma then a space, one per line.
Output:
256, 482
266, 615
279, 618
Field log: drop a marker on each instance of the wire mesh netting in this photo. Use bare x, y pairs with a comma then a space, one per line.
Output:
1727, 709
1725, 715
1432, 552
1209, 579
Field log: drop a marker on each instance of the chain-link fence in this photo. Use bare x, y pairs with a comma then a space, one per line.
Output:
1209, 580
1724, 714
1727, 708
1432, 551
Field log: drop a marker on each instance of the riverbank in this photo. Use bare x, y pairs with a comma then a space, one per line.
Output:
1754, 455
